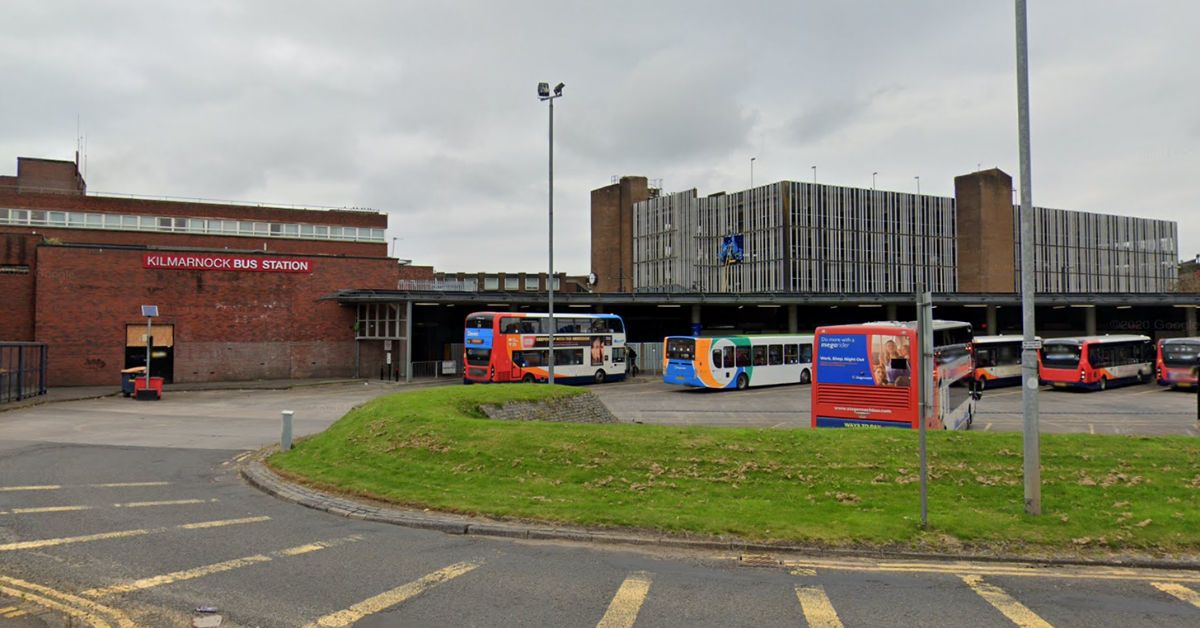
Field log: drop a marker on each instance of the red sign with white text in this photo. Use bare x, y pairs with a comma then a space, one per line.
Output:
236, 263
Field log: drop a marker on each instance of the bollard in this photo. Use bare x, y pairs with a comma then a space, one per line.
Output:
285, 439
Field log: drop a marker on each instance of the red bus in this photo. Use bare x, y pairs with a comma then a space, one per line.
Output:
866, 376
1175, 362
1095, 362
514, 347
997, 361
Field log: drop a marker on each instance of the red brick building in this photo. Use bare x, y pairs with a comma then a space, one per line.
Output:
240, 289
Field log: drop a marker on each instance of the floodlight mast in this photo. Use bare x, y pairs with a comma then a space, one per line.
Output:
544, 94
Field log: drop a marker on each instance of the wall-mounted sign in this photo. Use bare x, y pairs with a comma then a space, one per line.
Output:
238, 263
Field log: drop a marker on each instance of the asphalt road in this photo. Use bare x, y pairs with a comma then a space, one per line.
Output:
1136, 409
114, 534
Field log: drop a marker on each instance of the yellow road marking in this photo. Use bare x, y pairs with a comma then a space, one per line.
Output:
222, 522
206, 570
800, 571
1179, 591
168, 502
55, 487
22, 545
25, 511
87, 611
623, 610
818, 612
127, 484
997, 569
1015, 611
391, 598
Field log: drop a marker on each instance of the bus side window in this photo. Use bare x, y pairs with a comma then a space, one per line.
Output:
743, 356
790, 354
775, 354
760, 355
727, 353
805, 354
716, 358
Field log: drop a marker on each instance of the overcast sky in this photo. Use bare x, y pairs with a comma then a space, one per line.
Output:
428, 110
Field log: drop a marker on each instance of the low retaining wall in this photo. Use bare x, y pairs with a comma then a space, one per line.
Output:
585, 408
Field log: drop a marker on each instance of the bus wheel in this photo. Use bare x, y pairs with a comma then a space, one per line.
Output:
528, 379
599, 376
1140, 378
980, 384
742, 381
1103, 383
805, 377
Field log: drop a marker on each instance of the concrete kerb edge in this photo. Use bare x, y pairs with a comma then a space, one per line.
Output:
43, 399
257, 474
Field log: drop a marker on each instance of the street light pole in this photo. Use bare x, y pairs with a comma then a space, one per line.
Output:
544, 94
918, 179
873, 175
752, 172
1029, 375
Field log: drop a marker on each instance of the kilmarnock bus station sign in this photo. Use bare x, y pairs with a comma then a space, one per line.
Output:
239, 263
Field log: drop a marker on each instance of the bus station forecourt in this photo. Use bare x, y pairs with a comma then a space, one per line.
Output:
744, 380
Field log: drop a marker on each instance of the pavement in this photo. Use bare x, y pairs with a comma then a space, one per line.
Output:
102, 532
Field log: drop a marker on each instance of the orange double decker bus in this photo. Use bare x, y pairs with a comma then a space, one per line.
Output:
867, 376
515, 347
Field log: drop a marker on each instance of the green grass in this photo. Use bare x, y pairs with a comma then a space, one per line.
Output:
430, 448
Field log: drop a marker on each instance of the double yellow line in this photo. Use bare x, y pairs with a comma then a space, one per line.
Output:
87, 612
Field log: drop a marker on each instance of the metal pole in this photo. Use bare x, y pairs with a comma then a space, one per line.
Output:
873, 175
1029, 374
924, 369
148, 342
550, 277
285, 438
752, 171
408, 313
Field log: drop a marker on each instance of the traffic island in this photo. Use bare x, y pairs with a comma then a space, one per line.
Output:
435, 451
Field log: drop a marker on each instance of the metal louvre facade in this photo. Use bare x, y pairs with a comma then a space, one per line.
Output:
1082, 252
823, 239
796, 237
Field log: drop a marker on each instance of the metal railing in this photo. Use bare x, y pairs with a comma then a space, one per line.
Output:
435, 285
436, 368
22, 370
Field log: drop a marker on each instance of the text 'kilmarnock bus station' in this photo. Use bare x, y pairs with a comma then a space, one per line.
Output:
270, 292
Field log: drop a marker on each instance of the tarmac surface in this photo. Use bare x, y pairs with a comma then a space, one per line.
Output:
117, 512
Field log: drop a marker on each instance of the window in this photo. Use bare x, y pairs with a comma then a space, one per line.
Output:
790, 354
805, 354
510, 325
742, 356
680, 348
727, 354
512, 283
482, 321
716, 358
531, 283
491, 283
774, 354
760, 355
568, 357
478, 357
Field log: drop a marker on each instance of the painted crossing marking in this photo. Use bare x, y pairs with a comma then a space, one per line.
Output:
388, 599
623, 610
87, 612
55, 487
817, 609
66, 540
1179, 591
53, 509
1015, 611
206, 570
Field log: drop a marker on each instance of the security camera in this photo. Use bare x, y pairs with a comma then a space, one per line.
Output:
558, 89
543, 90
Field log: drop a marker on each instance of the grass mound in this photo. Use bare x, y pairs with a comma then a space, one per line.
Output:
432, 448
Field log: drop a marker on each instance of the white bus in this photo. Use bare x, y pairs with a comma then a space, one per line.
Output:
997, 360
737, 361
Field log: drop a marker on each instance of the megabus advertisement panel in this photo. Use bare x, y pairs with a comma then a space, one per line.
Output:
862, 377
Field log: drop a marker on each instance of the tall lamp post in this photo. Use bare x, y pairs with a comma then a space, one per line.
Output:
544, 94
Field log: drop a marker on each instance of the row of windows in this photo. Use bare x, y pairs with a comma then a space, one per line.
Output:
172, 224
761, 355
565, 325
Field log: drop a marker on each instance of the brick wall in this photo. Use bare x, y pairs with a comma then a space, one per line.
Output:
228, 325
18, 263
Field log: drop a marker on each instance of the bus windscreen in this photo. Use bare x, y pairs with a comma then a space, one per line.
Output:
1060, 355
1180, 354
